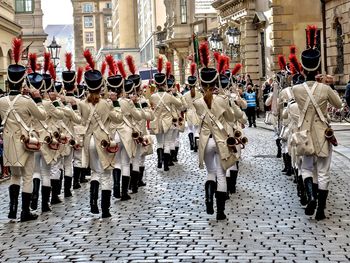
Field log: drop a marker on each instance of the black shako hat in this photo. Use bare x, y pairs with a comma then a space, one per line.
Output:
192, 80
170, 81
15, 72
114, 83
93, 79
68, 76
311, 57
224, 81
128, 86
207, 75
35, 80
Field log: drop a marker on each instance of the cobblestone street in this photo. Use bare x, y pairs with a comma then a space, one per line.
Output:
166, 221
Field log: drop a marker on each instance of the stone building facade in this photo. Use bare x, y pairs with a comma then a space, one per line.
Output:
336, 18
92, 27
267, 29
29, 16
8, 30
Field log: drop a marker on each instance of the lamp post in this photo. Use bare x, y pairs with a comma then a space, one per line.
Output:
54, 50
215, 41
233, 36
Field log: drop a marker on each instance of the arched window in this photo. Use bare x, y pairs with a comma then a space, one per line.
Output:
183, 11
340, 48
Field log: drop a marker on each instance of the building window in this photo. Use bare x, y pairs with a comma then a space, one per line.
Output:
340, 48
88, 8
89, 37
88, 21
183, 11
109, 21
263, 54
109, 37
109, 5
24, 6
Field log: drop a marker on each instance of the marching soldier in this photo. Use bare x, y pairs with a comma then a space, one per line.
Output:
313, 140
20, 140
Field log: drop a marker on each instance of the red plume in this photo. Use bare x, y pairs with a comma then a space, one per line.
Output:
293, 49
69, 63
217, 56
221, 64
282, 62
168, 69
52, 70
47, 58
16, 49
131, 64
236, 69
193, 68
160, 64
103, 67
32, 61
294, 64
121, 68
89, 59
87, 67
204, 53
79, 75
311, 32
227, 66
110, 61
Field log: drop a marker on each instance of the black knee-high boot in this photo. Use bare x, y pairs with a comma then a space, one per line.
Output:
160, 157
210, 188
142, 173
190, 137
67, 186
166, 161
116, 182
284, 163
289, 170
76, 177
45, 199
26, 215
220, 205
14, 193
125, 188
233, 175
311, 205
94, 186
55, 187
35, 194
322, 199
83, 172
106, 203
279, 148
195, 149
134, 181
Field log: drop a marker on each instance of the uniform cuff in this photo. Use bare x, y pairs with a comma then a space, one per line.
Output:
75, 107
37, 100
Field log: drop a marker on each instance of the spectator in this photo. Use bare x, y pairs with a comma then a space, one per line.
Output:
248, 79
266, 91
347, 94
256, 90
250, 97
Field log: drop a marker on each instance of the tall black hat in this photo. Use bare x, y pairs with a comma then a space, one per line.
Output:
159, 77
295, 67
311, 57
34, 79
207, 75
136, 78
15, 72
192, 79
128, 83
49, 73
68, 76
93, 78
170, 79
222, 65
114, 81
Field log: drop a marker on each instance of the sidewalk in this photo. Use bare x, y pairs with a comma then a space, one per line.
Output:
342, 133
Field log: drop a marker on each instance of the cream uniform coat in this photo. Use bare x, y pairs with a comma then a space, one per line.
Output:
222, 111
105, 112
323, 95
46, 128
14, 152
162, 111
191, 114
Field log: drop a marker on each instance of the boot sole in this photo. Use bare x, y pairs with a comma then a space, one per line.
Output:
310, 208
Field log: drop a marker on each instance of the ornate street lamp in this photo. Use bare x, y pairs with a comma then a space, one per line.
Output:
215, 41
233, 36
54, 50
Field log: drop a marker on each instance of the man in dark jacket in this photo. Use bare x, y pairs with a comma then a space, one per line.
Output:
347, 94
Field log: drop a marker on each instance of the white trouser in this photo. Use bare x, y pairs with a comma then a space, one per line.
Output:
174, 139
77, 158
164, 140
68, 164
118, 155
284, 146
41, 169
212, 161
318, 168
97, 172
136, 160
56, 169
124, 161
26, 173
193, 129
232, 168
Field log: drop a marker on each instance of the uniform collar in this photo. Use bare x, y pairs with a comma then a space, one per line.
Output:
14, 92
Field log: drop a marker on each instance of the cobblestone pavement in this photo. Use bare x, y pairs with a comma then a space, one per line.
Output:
166, 220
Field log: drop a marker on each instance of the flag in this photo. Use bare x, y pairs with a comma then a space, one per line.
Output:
196, 50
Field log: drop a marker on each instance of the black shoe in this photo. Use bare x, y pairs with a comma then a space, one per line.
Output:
83, 176
166, 161
311, 201
45, 199
26, 215
170, 160
55, 184
14, 193
76, 177
229, 186
289, 171
134, 179
210, 188
116, 183
220, 205
142, 172
160, 157
125, 187
322, 199
35, 194
254, 125
94, 186
315, 190
67, 186
233, 175
190, 137
173, 156
106, 203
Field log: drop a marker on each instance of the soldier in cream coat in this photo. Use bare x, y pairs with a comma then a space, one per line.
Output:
312, 99
17, 112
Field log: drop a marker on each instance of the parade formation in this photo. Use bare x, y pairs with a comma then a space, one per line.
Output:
103, 124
